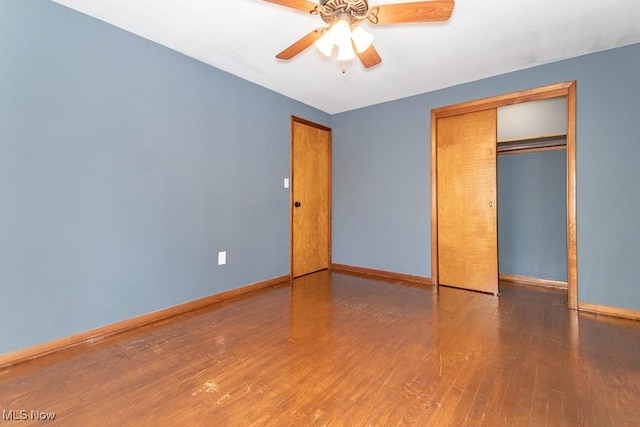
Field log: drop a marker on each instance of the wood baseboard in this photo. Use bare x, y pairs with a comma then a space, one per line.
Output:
609, 311
382, 274
101, 333
533, 281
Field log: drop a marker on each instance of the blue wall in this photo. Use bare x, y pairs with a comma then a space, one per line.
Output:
532, 215
124, 168
382, 162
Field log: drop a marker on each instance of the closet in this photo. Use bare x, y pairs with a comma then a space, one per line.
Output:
465, 142
531, 149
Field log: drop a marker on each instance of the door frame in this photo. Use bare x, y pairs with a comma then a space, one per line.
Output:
567, 89
295, 119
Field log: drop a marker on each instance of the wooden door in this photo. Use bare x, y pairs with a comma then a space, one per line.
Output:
466, 201
311, 197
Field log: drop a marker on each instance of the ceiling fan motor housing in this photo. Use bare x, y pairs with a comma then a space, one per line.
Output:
332, 10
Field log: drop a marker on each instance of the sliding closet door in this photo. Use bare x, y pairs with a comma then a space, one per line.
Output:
466, 201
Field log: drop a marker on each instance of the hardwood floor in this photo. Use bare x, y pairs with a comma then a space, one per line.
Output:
346, 350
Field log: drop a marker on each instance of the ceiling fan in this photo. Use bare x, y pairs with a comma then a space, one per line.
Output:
344, 17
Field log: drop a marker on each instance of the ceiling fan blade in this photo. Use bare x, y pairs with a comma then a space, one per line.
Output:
303, 5
369, 57
422, 11
301, 44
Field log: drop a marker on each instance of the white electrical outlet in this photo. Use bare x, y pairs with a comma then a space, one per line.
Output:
222, 258
286, 183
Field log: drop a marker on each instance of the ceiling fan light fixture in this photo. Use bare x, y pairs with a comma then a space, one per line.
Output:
361, 38
325, 44
345, 51
341, 32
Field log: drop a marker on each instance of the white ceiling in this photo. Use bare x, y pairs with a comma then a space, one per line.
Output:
482, 39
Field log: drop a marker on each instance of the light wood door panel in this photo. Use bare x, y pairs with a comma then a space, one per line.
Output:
311, 195
466, 201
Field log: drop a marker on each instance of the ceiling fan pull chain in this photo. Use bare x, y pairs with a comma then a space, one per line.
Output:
344, 68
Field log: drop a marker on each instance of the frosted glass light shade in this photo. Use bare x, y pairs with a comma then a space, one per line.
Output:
340, 32
362, 39
345, 51
325, 44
